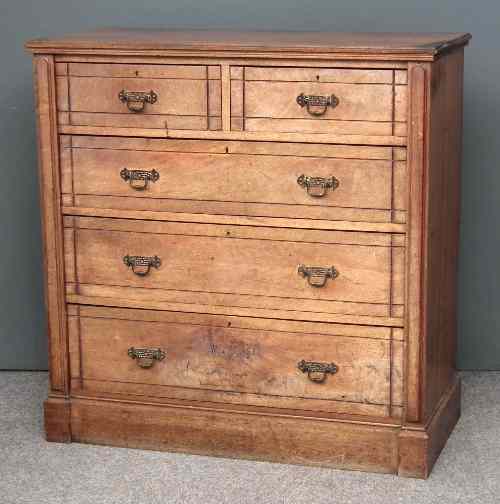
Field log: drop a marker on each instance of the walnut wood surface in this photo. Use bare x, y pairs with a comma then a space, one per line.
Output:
241, 266
231, 226
53, 260
273, 436
196, 174
264, 99
384, 45
419, 448
444, 140
188, 97
230, 364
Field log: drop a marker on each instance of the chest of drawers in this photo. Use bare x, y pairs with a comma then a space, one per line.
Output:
250, 242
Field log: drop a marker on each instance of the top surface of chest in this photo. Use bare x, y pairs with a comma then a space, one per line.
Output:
387, 45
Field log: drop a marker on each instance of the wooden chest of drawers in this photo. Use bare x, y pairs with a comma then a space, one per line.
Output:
251, 243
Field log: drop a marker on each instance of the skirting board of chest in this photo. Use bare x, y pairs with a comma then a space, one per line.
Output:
250, 243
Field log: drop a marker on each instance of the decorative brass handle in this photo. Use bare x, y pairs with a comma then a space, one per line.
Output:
145, 357
317, 275
139, 179
323, 102
317, 186
141, 264
136, 100
317, 371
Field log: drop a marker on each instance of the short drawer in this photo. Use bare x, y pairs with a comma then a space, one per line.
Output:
324, 367
233, 267
139, 96
331, 182
343, 101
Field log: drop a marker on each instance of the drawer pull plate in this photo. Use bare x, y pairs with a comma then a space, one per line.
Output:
145, 357
317, 275
141, 265
317, 186
136, 100
317, 371
139, 179
320, 103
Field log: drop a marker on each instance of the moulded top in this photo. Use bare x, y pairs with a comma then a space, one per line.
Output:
395, 45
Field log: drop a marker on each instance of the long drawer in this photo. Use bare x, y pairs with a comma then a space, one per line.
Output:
330, 182
236, 266
322, 367
139, 96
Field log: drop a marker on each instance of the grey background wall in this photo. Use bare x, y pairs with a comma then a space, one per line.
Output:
22, 323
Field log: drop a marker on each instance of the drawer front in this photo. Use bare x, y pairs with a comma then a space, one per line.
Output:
163, 354
319, 100
243, 266
139, 96
314, 181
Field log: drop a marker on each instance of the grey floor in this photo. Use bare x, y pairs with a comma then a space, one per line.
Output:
36, 472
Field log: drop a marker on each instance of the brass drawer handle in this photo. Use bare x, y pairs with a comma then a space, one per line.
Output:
141, 264
323, 102
317, 186
136, 100
317, 275
317, 371
139, 179
145, 357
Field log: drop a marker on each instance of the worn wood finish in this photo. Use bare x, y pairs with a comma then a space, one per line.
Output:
417, 105
230, 364
221, 173
279, 438
57, 419
232, 61
215, 218
145, 299
251, 136
242, 266
220, 432
367, 46
53, 255
369, 101
189, 97
231, 225
419, 448
434, 209
444, 138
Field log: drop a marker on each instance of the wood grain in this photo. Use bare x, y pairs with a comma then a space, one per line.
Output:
444, 139
231, 226
419, 448
296, 440
215, 218
251, 136
237, 361
53, 254
187, 98
143, 299
338, 75
252, 267
381, 46
418, 84
57, 419
229, 177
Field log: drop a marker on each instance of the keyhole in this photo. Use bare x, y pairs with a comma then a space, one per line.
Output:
317, 77
137, 73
